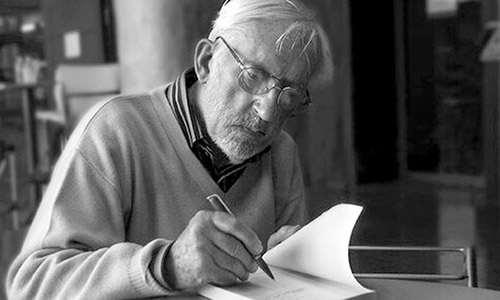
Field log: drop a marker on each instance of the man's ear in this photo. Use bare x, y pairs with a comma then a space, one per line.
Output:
202, 56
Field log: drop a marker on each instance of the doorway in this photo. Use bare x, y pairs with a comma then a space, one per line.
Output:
443, 88
418, 90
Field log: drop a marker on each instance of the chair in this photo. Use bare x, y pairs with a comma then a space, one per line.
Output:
8, 160
77, 87
468, 263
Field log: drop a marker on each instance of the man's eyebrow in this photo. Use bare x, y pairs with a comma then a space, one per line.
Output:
290, 82
281, 76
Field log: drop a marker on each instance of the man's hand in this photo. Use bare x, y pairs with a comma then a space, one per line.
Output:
282, 234
214, 248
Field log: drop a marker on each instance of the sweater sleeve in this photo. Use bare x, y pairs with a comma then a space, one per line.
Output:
290, 204
76, 247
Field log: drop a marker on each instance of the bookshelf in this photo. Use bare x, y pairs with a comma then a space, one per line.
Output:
11, 41
21, 36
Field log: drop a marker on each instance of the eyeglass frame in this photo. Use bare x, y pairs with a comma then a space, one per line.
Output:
281, 87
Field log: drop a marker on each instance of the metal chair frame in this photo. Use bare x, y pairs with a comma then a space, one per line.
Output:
469, 260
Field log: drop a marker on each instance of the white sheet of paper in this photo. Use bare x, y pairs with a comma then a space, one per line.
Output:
287, 286
321, 248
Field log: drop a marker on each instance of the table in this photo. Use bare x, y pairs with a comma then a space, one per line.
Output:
391, 289
28, 108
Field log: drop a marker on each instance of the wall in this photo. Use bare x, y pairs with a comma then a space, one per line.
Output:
491, 108
62, 16
326, 137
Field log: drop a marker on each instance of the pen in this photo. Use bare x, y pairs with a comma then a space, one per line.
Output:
219, 205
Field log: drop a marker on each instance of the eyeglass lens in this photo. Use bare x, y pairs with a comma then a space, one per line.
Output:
256, 81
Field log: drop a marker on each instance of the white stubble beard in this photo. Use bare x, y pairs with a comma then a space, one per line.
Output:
234, 143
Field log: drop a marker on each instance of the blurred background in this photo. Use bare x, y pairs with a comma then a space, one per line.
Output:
409, 128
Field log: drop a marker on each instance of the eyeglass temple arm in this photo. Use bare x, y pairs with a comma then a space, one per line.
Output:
238, 60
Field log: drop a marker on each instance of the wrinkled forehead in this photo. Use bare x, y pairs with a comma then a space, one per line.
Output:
264, 44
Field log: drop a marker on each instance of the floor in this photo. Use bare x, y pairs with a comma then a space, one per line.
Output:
407, 213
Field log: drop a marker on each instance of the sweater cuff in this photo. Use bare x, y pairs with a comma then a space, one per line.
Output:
157, 266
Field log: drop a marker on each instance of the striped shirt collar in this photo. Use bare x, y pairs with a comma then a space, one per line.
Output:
177, 96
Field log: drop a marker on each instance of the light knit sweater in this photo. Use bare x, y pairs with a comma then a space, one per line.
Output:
126, 185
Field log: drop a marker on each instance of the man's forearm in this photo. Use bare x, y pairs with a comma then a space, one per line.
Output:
118, 272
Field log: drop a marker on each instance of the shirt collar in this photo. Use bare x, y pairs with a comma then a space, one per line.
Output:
177, 96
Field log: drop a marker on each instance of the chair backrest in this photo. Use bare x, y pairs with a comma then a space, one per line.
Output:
79, 87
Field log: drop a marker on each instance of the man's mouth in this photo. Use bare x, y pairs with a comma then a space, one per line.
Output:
256, 132
253, 126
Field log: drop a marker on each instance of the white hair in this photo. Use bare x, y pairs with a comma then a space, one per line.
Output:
304, 37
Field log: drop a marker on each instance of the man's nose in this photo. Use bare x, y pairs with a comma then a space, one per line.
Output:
266, 105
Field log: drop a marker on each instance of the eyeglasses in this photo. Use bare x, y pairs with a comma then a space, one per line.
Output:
257, 81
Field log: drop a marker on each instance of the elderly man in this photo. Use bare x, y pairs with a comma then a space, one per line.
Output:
125, 214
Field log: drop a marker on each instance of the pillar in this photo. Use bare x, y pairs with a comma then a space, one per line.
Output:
156, 38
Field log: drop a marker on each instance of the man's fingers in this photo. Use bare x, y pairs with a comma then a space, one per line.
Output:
230, 225
230, 264
291, 229
216, 268
223, 278
235, 249
282, 234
